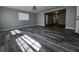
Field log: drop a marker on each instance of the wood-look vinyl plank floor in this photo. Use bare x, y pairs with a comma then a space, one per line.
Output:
52, 39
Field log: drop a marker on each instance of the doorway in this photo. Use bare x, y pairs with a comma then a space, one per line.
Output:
55, 18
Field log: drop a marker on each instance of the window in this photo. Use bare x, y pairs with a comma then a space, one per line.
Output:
23, 16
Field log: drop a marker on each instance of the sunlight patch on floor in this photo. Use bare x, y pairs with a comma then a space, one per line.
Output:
34, 44
25, 42
24, 47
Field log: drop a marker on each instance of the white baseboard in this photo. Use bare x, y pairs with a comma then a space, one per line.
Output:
40, 25
16, 28
70, 28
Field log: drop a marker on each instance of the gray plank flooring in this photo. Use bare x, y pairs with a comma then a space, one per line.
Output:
52, 39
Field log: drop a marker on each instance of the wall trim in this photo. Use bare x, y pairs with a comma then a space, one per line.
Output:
70, 28
16, 28
40, 25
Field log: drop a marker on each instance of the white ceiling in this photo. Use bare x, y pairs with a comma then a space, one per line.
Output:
29, 8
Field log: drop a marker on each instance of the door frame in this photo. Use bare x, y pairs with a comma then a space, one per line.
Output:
52, 11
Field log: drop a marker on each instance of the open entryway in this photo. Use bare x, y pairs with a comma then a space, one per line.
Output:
55, 18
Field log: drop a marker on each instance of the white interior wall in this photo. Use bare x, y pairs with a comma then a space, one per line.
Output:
70, 17
77, 26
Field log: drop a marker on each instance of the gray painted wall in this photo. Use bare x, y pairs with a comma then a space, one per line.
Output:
9, 19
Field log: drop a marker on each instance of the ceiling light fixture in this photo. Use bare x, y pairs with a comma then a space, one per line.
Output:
34, 7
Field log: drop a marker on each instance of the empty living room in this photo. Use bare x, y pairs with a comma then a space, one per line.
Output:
39, 28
